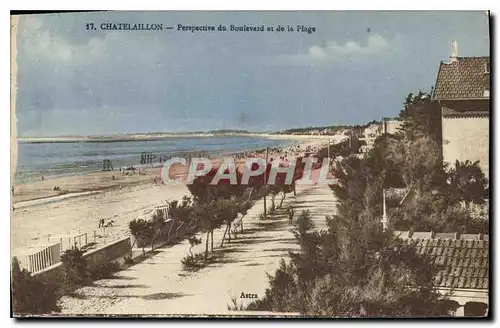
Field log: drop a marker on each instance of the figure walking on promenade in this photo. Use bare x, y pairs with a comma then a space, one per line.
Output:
290, 215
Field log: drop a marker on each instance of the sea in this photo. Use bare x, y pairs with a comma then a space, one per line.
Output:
55, 159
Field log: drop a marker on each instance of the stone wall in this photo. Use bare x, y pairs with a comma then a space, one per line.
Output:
466, 139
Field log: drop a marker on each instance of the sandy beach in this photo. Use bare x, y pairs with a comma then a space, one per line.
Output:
43, 216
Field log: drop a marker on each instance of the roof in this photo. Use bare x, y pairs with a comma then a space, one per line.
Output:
451, 113
463, 78
463, 258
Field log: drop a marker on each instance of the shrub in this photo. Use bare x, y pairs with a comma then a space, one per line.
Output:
142, 231
479, 212
31, 296
105, 270
76, 272
128, 260
193, 241
193, 263
235, 306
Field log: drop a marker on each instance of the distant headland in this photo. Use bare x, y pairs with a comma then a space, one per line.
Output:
297, 133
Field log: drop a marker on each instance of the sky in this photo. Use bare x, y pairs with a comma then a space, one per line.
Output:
356, 67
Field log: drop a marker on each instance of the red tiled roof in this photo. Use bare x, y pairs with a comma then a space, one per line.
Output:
464, 78
463, 259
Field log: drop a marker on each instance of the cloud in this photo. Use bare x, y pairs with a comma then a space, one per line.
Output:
376, 44
40, 42
332, 51
62, 66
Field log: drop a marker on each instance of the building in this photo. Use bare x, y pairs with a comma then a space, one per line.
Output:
464, 267
462, 91
392, 126
370, 133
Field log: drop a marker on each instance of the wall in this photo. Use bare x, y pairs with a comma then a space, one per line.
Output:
113, 251
392, 126
465, 296
466, 139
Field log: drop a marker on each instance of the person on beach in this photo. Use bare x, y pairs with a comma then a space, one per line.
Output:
290, 215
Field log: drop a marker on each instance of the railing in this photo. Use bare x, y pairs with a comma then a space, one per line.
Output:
71, 241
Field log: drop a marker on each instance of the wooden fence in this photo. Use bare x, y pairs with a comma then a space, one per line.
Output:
44, 258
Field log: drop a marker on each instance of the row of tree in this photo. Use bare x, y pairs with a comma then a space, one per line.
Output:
333, 128
211, 207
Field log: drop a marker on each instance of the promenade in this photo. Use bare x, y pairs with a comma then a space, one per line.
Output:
159, 286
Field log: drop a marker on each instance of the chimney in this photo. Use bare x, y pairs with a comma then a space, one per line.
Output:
454, 51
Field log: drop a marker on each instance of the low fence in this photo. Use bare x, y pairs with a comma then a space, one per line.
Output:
50, 255
114, 251
69, 242
44, 258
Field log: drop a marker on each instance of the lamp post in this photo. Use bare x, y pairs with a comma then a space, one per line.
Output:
329, 153
384, 220
265, 184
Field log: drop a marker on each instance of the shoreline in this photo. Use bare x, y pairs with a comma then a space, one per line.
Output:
33, 176
69, 184
45, 215
166, 136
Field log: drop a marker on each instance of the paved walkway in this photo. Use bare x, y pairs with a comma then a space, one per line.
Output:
159, 286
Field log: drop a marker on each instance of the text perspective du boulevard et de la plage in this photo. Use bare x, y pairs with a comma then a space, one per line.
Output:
108, 26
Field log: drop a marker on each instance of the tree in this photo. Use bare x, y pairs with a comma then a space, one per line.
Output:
202, 188
193, 241
228, 214
31, 296
212, 215
285, 189
76, 272
274, 191
439, 213
347, 271
216, 204
391, 149
180, 214
343, 148
423, 167
354, 268
142, 232
157, 226
243, 208
421, 117
467, 183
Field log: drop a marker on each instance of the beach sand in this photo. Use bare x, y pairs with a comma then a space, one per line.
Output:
43, 216
93, 181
